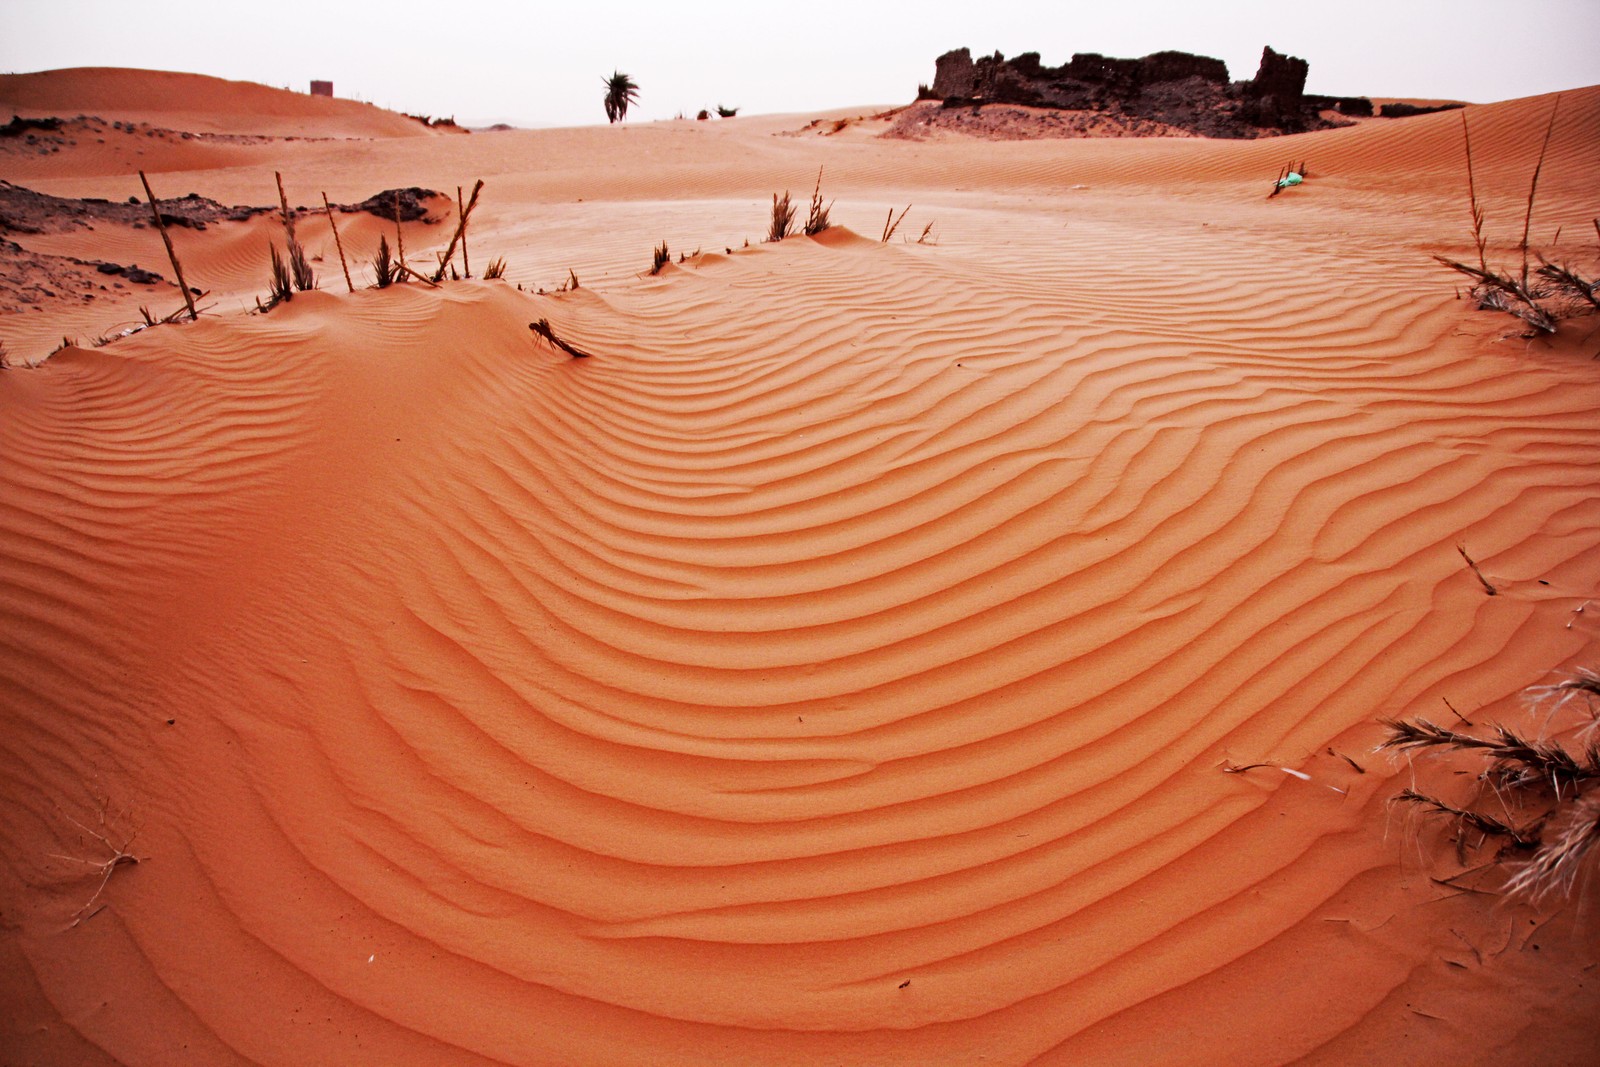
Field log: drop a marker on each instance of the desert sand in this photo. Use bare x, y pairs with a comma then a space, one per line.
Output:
844, 664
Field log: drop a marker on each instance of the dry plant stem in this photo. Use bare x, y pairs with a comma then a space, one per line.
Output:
1487, 588
399, 233
1484, 824
782, 217
543, 329
423, 278
1472, 198
466, 264
1554, 867
172, 254
461, 230
283, 204
118, 857
337, 243
892, 224
817, 217
1533, 186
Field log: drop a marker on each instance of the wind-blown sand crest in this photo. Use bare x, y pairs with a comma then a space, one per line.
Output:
839, 666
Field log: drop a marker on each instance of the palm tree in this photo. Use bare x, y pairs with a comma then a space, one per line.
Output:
621, 93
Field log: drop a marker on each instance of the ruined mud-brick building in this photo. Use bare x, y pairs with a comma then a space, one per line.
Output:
1188, 91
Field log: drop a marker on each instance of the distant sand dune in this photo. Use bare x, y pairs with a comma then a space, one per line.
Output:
840, 666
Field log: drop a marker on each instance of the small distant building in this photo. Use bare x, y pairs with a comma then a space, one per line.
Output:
321, 88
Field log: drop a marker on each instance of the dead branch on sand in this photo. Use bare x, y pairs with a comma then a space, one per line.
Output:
172, 254
543, 329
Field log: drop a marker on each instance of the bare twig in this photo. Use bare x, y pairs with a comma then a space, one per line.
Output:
461, 231
892, 224
117, 856
337, 243
1487, 588
817, 218
466, 264
177, 268
1472, 197
399, 233
423, 278
303, 277
1533, 186
543, 328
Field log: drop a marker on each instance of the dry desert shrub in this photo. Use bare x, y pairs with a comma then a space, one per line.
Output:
817, 219
1540, 297
782, 218
280, 289
659, 258
383, 264
1537, 793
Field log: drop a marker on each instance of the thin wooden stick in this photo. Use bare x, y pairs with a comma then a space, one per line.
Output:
466, 264
1487, 588
400, 234
1472, 197
172, 253
461, 229
1533, 187
892, 224
336, 242
423, 278
283, 202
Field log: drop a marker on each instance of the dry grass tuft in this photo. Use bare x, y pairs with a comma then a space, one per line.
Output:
659, 258
817, 218
1541, 298
1552, 781
1569, 838
543, 329
496, 269
782, 218
892, 224
280, 288
383, 264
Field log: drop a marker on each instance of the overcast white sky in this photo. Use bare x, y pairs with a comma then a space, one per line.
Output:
541, 64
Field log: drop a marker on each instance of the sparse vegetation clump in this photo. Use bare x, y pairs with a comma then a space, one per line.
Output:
1541, 297
726, 112
782, 218
542, 328
817, 218
892, 224
1539, 794
496, 269
383, 264
659, 258
280, 288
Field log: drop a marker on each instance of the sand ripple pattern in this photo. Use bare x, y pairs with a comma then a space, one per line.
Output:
836, 668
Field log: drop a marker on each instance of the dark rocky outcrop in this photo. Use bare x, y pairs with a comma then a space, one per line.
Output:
1402, 110
1187, 92
413, 203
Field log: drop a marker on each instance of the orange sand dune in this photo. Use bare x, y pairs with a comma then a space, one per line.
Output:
838, 667
195, 102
